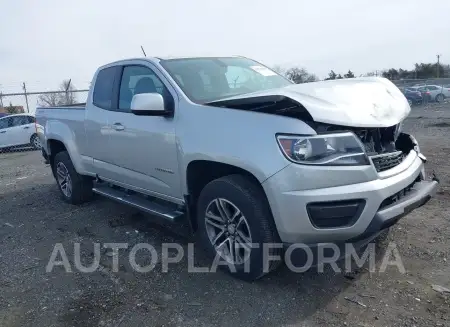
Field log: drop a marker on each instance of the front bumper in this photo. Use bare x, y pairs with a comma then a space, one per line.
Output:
289, 201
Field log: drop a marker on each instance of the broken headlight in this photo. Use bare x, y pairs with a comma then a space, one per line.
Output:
340, 149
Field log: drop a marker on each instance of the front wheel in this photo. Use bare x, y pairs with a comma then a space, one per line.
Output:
75, 188
236, 224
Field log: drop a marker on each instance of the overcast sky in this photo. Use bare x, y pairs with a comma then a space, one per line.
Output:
45, 41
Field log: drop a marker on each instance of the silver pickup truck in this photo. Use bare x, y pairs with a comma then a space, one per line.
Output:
247, 157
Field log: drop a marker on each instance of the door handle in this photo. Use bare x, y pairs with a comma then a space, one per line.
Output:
118, 126
26, 127
1, 132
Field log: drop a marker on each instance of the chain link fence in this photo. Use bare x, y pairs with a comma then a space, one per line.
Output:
17, 121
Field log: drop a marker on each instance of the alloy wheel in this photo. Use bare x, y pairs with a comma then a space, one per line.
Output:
64, 180
228, 231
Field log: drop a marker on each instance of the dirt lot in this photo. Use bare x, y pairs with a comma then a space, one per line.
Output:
33, 218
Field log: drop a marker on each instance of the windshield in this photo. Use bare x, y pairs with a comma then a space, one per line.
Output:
210, 79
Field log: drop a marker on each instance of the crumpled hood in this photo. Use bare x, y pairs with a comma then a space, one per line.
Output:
356, 102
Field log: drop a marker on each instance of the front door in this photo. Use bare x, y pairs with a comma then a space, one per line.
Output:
144, 147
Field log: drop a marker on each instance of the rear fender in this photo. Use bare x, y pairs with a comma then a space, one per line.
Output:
58, 131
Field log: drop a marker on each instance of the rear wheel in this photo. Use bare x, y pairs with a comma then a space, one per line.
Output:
75, 188
235, 223
35, 142
440, 98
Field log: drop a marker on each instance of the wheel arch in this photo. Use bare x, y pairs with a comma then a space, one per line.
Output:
200, 172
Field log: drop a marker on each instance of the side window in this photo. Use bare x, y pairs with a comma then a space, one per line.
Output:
140, 79
19, 120
103, 89
31, 120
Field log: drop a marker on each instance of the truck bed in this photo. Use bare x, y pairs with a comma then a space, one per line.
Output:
62, 120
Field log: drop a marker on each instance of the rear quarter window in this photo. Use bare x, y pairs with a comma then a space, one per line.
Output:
103, 89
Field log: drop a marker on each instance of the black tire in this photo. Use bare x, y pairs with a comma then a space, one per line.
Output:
250, 199
33, 142
81, 186
440, 98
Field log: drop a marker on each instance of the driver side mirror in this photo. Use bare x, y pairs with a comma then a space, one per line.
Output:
148, 104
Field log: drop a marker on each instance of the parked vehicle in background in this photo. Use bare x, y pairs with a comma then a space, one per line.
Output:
433, 92
250, 165
426, 95
413, 96
17, 131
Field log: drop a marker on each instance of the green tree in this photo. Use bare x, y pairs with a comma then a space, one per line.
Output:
392, 74
331, 75
349, 74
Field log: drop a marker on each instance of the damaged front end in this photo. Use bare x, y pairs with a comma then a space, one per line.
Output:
370, 108
386, 147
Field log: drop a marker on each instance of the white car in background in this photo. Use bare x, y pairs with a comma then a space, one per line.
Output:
18, 130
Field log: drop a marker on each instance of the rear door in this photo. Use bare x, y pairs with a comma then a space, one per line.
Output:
19, 132
144, 147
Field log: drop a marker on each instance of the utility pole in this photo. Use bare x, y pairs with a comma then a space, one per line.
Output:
437, 67
26, 96
67, 92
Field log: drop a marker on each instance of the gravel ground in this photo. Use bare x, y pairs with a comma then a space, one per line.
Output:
33, 219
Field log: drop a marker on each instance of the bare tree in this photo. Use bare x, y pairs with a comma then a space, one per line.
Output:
49, 100
280, 70
300, 75
369, 74
65, 96
69, 95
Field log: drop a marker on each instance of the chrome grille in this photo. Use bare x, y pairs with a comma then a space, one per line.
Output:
387, 161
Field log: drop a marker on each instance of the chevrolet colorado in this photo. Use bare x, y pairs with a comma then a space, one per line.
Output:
243, 154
